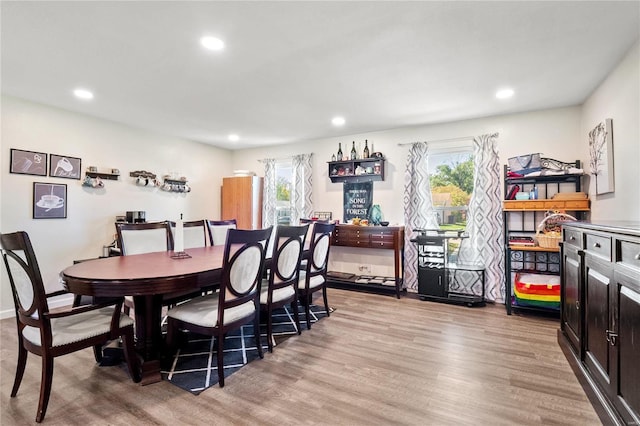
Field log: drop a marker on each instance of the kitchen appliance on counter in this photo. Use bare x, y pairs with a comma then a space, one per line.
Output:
136, 216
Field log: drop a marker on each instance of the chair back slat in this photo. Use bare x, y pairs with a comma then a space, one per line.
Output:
24, 275
138, 238
320, 248
218, 230
286, 258
244, 257
195, 233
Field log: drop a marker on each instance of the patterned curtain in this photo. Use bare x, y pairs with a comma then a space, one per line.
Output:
419, 211
301, 192
485, 245
269, 197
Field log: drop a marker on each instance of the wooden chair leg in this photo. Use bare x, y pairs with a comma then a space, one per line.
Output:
97, 353
220, 349
45, 386
269, 329
22, 362
130, 355
307, 313
296, 315
324, 296
256, 333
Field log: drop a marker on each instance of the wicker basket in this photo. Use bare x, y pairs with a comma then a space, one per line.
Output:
551, 239
548, 241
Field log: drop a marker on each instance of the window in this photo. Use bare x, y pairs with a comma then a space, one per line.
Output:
451, 179
284, 175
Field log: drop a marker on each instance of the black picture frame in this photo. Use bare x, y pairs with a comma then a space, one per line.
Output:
28, 162
64, 166
49, 200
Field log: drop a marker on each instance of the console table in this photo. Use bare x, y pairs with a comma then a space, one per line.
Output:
372, 237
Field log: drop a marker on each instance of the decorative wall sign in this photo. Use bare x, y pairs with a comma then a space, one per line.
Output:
357, 200
64, 166
49, 200
601, 156
28, 162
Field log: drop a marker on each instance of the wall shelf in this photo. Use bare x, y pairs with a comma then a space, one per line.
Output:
362, 170
106, 176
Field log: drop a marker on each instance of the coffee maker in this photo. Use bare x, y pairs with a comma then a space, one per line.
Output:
136, 217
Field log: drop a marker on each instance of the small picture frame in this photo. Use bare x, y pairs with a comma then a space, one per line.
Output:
28, 162
63, 166
49, 200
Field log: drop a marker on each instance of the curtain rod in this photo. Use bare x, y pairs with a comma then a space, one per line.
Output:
462, 138
281, 158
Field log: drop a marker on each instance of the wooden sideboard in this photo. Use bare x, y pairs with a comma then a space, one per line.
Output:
600, 315
372, 237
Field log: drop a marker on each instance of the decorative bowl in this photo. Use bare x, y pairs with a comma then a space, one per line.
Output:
384, 223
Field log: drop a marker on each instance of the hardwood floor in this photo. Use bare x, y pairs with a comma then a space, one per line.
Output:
376, 360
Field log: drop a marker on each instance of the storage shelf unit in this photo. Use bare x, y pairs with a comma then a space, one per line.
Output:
521, 218
345, 171
437, 278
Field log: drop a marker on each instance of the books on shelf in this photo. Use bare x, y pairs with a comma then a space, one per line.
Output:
524, 241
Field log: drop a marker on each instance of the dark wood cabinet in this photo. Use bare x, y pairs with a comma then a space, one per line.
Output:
601, 272
597, 286
571, 292
371, 237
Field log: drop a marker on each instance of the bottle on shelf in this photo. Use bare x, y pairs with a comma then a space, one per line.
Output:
353, 151
333, 157
365, 154
339, 152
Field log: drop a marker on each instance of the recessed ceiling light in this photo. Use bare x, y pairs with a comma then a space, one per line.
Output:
504, 93
234, 138
212, 43
338, 121
83, 94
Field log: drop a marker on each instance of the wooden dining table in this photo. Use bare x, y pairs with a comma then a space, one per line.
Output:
148, 278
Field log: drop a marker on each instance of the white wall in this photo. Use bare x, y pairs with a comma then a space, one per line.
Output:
618, 98
91, 212
553, 132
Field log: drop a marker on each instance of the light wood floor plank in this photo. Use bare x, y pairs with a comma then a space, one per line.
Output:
376, 361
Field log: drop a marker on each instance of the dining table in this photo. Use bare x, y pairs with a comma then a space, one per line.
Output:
149, 278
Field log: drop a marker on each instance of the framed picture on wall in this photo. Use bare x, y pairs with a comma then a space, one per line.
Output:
49, 200
28, 162
64, 166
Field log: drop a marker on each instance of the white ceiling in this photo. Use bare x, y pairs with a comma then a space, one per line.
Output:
289, 67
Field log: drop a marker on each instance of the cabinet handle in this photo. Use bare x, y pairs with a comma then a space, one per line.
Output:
637, 256
572, 238
577, 304
596, 245
611, 337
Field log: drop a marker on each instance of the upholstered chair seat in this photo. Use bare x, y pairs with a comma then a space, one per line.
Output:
203, 311
72, 329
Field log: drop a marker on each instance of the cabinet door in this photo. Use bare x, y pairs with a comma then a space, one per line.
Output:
626, 347
431, 282
571, 283
598, 275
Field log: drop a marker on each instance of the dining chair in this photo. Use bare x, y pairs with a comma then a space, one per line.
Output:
235, 304
314, 275
195, 233
53, 333
218, 230
280, 286
148, 237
